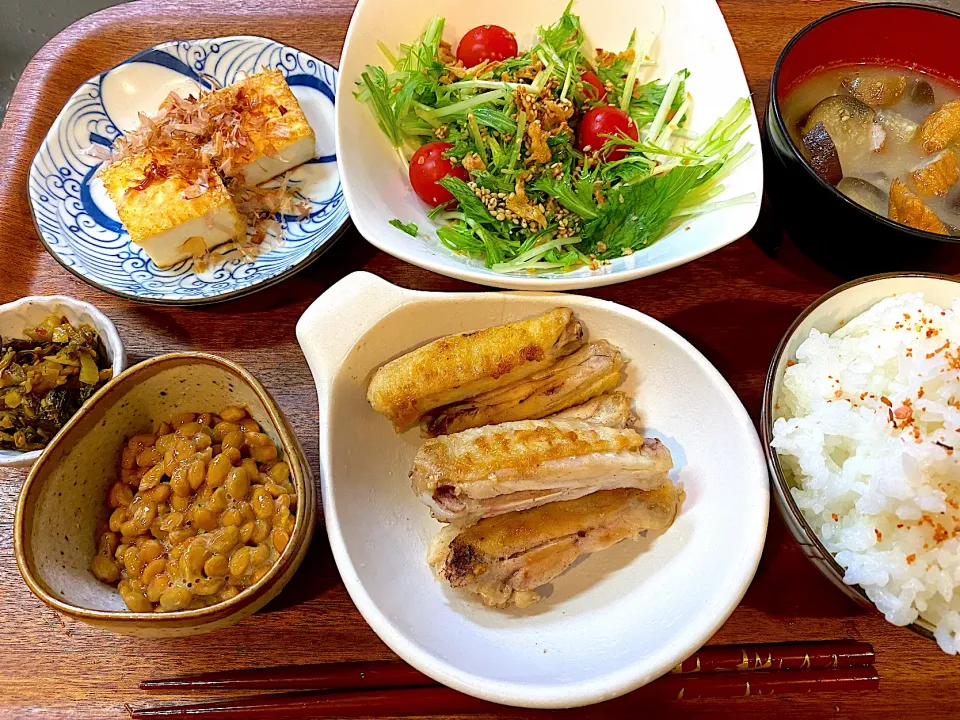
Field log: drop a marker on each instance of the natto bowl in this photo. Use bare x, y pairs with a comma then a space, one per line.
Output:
832, 229
827, 314
64, 495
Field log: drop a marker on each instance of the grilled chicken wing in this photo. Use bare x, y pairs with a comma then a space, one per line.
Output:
515, 466
610, 409
590, 371
505, 558
458, 367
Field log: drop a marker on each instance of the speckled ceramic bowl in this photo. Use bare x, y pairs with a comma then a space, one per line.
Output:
64, 495
28, 311
827, 314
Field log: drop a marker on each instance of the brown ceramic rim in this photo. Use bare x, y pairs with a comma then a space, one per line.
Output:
782, 125
181, 618
781, 488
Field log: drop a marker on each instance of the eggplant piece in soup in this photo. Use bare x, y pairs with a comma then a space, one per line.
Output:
822, 154
921, 93
851, 124
864, 193
876, 88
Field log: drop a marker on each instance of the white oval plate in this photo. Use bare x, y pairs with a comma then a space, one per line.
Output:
611, 623
78, 223
694, 36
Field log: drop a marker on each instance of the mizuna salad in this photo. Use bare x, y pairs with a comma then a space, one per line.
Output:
548, 159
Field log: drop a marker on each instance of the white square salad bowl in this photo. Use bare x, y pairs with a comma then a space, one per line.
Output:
692, 35
608, 624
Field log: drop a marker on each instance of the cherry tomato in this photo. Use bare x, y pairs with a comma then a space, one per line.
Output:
597, 91
602, 121
486, 42
429, 166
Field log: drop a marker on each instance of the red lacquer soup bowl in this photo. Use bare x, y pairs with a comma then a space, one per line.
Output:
831, 228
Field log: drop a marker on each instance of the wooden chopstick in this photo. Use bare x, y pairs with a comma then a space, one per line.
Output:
435, 700
815, 655
761, 682
345, 676
327, 676
442, 701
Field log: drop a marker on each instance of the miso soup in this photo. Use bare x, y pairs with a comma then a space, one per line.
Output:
887, 138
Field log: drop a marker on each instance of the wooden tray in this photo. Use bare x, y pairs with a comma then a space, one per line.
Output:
733, 305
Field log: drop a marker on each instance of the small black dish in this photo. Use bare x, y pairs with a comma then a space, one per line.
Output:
834, 231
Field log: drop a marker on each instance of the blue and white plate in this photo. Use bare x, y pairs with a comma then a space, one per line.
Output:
78, 223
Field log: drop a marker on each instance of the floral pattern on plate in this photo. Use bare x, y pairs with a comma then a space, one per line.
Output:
78, 223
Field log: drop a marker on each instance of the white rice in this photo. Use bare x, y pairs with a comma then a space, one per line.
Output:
867, 422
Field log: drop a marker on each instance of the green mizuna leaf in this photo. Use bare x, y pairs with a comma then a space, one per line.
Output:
409, 228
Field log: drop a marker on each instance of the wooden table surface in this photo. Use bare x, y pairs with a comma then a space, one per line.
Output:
733, 305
